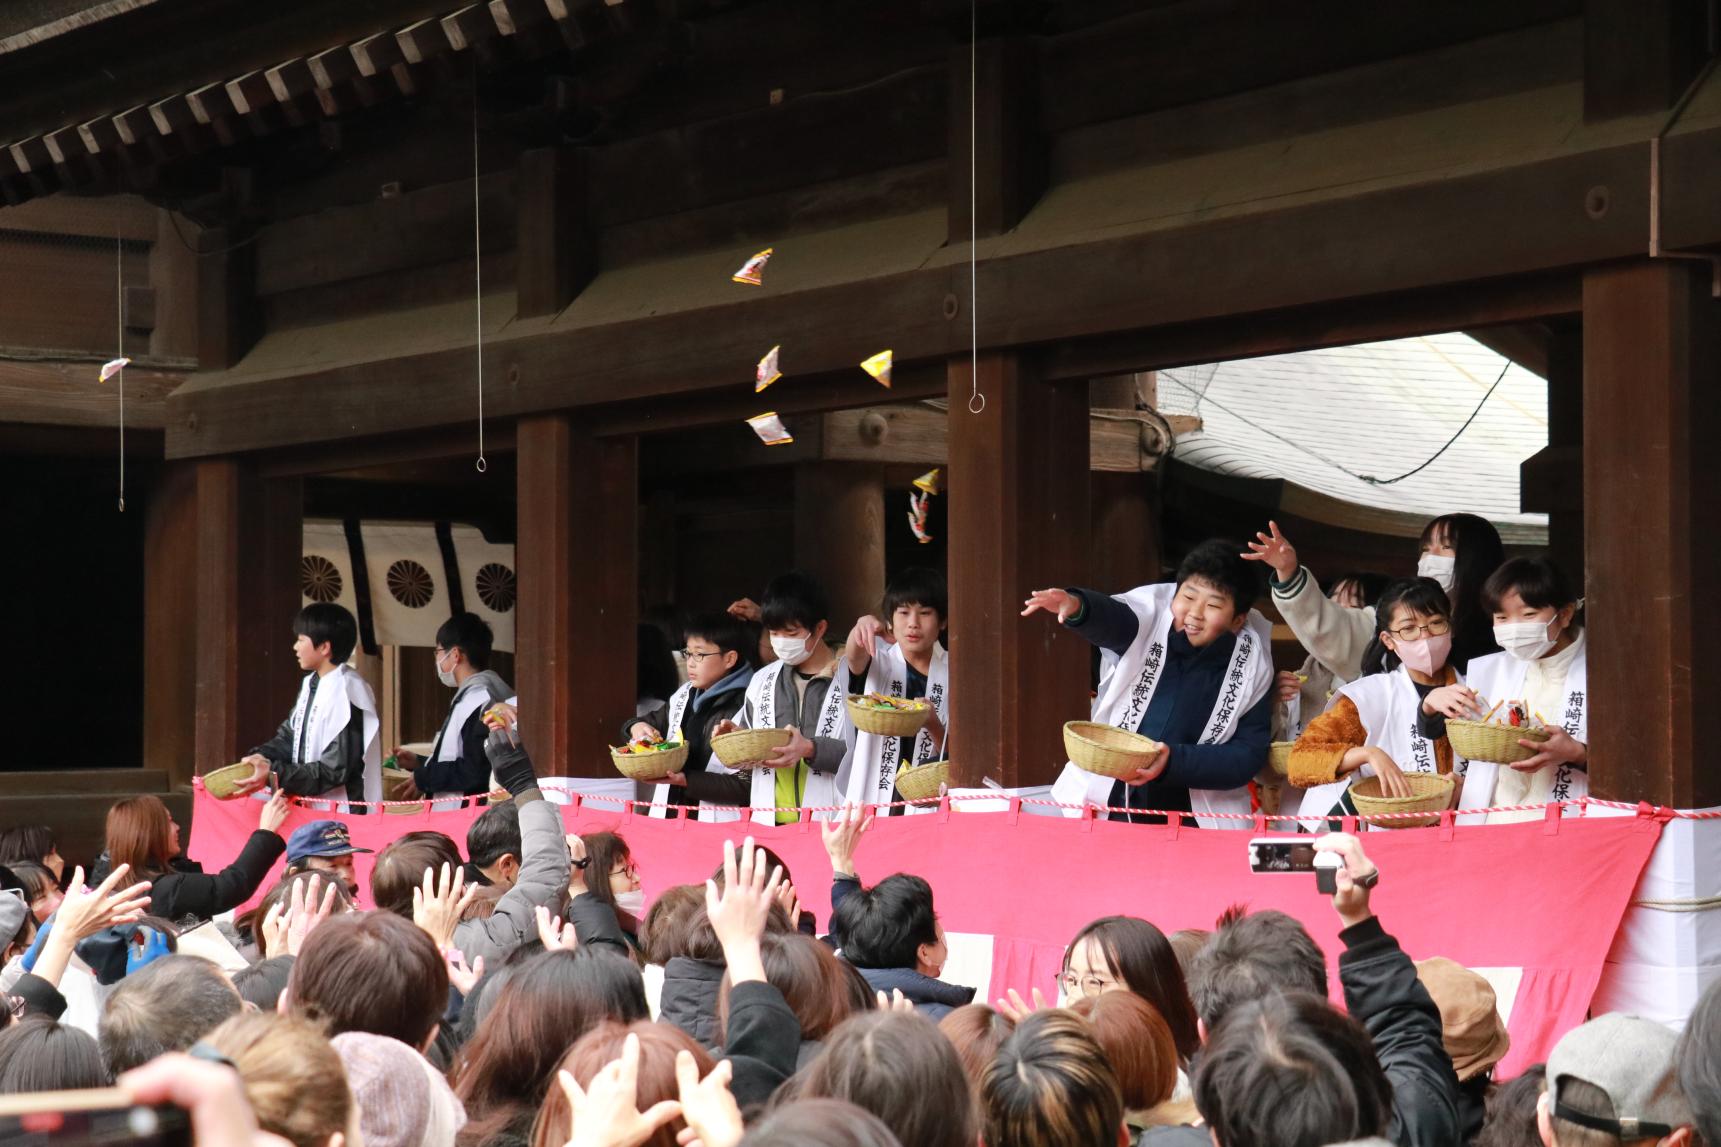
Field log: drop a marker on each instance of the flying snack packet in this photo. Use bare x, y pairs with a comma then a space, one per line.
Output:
768, 372
879, 367
753, 270
770, 430
918, 505
112, 367
931, 482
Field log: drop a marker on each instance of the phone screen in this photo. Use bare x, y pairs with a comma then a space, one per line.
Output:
89, 1119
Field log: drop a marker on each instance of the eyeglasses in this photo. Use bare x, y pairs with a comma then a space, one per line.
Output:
1089, 985
694, 658
629, 870
1410, 631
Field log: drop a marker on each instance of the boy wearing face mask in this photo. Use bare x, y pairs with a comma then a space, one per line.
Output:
1545, 664
1193, 669
1392, 720
457, 765
798, 692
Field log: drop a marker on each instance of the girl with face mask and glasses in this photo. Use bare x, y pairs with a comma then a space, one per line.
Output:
1391, 721
1537, 623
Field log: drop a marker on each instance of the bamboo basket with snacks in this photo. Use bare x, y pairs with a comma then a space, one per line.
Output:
1429, 792
921, 782
1108, 750
746, 747
1492, 742
887, 716
643, 761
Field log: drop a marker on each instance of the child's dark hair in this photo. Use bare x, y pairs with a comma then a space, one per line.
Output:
917, 585
471, 634
1539, 582
728, 634
1370, 585
792, 599
885, 925
1418, 594
1477, 552
1217, 563
325, 622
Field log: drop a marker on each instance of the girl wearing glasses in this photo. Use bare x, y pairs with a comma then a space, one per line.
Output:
1392, 720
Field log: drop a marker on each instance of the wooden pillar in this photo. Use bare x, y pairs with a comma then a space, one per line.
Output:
249, 544
556, 254
578, 565
1019, 521
1552, 480
1009, 173
228, 317
170, 614
1126, 508
1652, 493
839, 536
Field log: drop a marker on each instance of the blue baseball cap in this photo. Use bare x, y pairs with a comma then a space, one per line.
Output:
320, 838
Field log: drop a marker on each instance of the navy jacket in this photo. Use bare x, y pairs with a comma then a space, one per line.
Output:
932, 998
1189, 684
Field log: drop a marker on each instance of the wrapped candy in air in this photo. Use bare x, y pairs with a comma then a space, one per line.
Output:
931, 482
770, 429
918, 505
112, 367
879, 367
768, 372
753, 270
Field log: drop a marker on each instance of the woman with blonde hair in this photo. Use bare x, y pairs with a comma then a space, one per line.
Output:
293, 1078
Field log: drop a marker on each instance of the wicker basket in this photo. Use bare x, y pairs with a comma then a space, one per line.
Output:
395, 784
223, 784
1430, 792
1497, 744
748, 746
650, 766
920, 782
1107, 749
888, 722
1279, 758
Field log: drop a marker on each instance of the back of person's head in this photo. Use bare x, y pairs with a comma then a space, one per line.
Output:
400, 867
1700, 1064
1611, 1081
1185, 942
495, 834
1511, 1120
1217, 563
729, 634
167, 1006
325, 622
139, 833
794, 599
654, 667
820, 1123
1137, 1043
597, 1049
1408, 597
886, 925
471, 634
27, 842
1250, 956
1134, 953
1287, 1069
666, 930
38, 1054
293, 1077
371, 972
402, 1101
916, 585
1050, 1086
976, 1032
900, 1068
262, 983
546, 1006
810, 977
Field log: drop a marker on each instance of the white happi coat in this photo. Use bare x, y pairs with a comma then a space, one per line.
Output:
823, 790
679, 702
1500, 676
874, 762
1128, 687
338, 694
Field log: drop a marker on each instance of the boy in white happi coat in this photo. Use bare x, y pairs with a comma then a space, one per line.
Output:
718, 671
798, 692
900, 657
457, 765
1193, 670
329, 744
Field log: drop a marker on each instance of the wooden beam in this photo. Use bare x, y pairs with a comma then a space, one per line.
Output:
1008, 161
249, 541
557, 252
1639, 55
1652, 480
1018, 521
66, 394
1552, 480
839, 536
227, 314
170, 626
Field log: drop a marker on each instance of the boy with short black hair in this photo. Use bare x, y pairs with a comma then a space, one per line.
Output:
457, 765
900, 656
328, 745
715, 652
1193, 671
798, 692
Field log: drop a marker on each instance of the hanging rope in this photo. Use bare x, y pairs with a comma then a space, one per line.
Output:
478, 269
976, 400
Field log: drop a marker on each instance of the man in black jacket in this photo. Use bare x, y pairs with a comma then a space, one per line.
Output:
1396, 1078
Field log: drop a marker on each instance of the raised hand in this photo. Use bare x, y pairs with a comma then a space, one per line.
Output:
438, 906
1014, 1008
841, 835
86, 911
863, 641
554, 933
739, 912
789, 902
274, 813
713, 1117
306, 911
1055, 601
463, 978
895, 1002
1355, 879
606, 1113
1273, 549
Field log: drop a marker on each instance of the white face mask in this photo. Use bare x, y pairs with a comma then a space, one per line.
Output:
1438, 568
791, 650
1527, 640
631, 902
446, 676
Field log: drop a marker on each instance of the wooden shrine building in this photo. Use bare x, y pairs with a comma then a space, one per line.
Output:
287, 215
